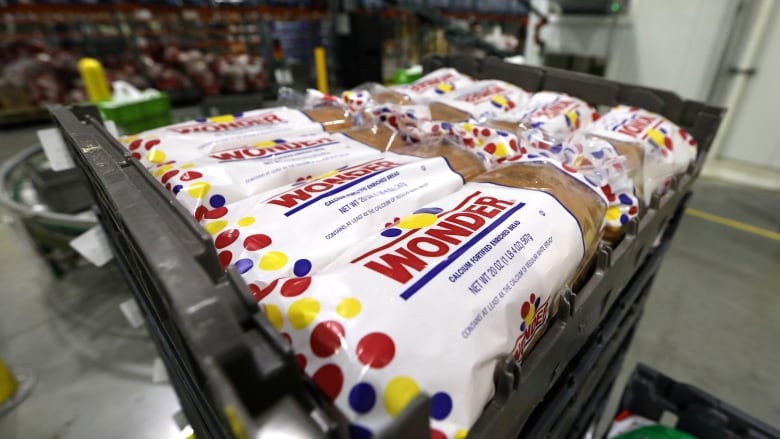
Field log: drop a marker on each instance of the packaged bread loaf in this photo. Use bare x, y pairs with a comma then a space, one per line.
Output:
436, 300
547, 119
480, 101
666, 149
189, 140
206, 184
296, 229
430, 87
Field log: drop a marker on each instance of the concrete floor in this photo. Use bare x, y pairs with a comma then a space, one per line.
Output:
711, 321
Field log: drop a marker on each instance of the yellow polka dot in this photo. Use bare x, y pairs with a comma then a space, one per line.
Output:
501, 150
222, 118
187, 166
302, 312
273, 260
246, 221
326, 175
198, 190
530, 317
264, 144
400, 391
613, 213
162, 170
155, 156
480, 141
461, 434
274, 315
349, 307
216, 226
468, 126
417, 220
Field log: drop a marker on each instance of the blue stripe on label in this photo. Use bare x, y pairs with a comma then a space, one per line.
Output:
279, 153
427, 277
335, 191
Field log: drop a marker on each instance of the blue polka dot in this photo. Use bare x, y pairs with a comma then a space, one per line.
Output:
302, 267
217, 201
177, 188
359, 432
432, 210
201, 119
243, 265
537, 124
391, 233
362, 398
446, 125
598, 154
556, 148
502, 133
441, 406
279, 140
239, 114
625, 199
623, 219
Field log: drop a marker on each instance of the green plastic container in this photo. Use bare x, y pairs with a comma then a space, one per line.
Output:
147, 111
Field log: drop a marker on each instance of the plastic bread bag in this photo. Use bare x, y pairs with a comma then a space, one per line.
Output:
604, 168
547, 119
666, 149
296, 229
430, 87
206, 184
480, 101
192, 139
433, 302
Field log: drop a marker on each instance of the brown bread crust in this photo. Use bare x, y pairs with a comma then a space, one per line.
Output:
332, 118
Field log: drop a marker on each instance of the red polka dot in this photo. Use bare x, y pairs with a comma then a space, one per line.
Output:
169, 175
136, 156
191, 175
485, 132
490, 148
513, 144
632, 210
610, 197
135, 144
168, 186
326, 338
151, 144
257, 242
568, 168
301, 360
525, 309
329, 379
436, 434
226, 238
219, 212
294, 287
376, 350
261, 293
287, 338
200, 212
225, 258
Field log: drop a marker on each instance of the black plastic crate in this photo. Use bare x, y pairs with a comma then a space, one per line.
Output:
234, 373
649, 394
63, 191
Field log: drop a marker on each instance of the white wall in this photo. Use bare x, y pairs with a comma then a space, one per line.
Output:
672, 44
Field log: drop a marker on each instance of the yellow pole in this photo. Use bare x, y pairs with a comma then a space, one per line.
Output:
94, 79
8, 383
321, 68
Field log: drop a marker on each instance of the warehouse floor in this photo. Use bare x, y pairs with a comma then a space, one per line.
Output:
711, 320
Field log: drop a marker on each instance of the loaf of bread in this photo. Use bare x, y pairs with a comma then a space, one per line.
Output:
652, 143
196, 138
464, 281
460, 160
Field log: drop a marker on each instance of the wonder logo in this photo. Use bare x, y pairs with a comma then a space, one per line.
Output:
534, 315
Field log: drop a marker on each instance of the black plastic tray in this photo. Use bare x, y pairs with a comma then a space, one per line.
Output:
649, 394
234, 373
